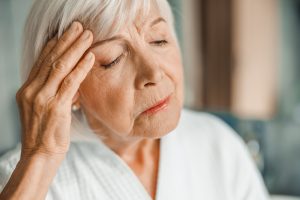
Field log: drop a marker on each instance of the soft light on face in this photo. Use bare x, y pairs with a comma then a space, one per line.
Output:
132, 72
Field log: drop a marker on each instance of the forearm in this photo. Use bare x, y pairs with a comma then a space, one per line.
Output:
31, 178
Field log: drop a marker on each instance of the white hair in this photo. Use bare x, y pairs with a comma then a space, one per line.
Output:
104, 18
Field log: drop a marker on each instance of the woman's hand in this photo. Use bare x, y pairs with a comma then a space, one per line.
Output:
45, 100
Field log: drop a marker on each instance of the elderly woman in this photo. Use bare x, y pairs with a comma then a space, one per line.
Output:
102, 117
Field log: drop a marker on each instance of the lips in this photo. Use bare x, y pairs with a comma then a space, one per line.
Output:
160, 105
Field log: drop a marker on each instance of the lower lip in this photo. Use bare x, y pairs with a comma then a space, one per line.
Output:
158, 108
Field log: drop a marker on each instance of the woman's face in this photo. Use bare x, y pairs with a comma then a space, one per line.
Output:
132, 72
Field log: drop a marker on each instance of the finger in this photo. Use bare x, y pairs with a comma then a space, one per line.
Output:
72, 82
48, 48
64, 43
65, 64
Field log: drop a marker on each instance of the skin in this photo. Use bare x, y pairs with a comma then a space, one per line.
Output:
147, 72
72, 70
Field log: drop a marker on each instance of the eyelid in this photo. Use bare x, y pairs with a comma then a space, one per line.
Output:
118, 59
159, 42
114, 62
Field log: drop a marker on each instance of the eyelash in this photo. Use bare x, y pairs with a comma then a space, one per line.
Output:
118, 59
159, 42
113, 63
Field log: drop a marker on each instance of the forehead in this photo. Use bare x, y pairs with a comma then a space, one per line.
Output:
143, 20
120, 34
141, 23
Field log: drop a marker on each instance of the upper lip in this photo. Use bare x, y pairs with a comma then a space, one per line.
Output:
158, 103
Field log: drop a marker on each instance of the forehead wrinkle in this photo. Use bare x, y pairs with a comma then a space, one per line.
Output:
140, 31
146, 24
101, 42
143, 20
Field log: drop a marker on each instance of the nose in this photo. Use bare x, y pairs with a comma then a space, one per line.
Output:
150, 71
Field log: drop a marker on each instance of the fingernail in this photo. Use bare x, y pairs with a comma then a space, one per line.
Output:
89, 56
75, 26
86, 34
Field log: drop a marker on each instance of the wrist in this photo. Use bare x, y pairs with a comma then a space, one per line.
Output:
38, 170
42, 159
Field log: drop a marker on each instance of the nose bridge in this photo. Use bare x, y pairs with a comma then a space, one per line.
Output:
148, 59
149, 67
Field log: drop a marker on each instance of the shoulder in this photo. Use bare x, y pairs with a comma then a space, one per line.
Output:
207, 139
197, 120
203, 133
195, 126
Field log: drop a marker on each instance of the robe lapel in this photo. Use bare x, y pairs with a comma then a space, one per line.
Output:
173, 178
125, 185
173, 174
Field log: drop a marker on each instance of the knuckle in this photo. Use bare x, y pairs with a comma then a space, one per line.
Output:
56, 109
51, 59
59, 66
68, 81
74, 48
39, 101
67, 38
64, 40
43, 55
39, 61
78, 47
24, 95
41, 78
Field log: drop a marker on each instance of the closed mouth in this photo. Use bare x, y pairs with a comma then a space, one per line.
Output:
158, 106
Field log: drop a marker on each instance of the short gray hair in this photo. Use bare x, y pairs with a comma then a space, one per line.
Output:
48, 18
103, 17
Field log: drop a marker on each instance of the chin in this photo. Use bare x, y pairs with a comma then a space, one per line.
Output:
158, 124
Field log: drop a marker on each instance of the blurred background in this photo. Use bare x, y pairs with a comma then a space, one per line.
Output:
241, 63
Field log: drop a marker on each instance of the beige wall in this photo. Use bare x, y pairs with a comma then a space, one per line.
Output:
192, 53
255, 58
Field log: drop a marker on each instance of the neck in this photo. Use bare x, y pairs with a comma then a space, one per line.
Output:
135, 150
142, 156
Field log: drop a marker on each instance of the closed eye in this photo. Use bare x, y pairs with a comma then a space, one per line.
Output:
159, 42
114, 62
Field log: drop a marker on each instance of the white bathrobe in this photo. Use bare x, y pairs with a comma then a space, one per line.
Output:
202, 159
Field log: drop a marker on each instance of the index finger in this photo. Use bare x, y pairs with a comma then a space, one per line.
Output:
66, 40
48, 48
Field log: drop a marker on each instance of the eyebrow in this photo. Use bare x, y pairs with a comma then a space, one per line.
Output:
117, 37
120, 37
156, 21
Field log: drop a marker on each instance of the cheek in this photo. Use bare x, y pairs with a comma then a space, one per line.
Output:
174, 69
172, 62
180, 78
108, 100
